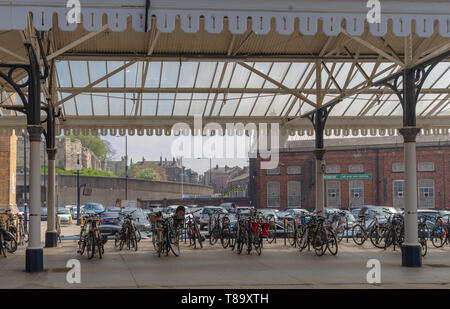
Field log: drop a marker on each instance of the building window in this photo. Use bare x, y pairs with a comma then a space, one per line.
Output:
399, 187
426, 193
398, 167
426, 167
273, 194
294, 194
333, 193
273, 171
356, 193
356, 168
294, 170
332, 169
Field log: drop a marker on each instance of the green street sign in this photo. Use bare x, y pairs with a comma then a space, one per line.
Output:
349, 176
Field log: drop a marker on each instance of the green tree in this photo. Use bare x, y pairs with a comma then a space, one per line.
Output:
94, 143
148, 174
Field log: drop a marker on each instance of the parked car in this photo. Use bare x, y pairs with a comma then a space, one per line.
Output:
230, 207
109, 223
243, 211
297, 211
95, 207
43, 213
140, 218
206, 211
113, 209
64, 215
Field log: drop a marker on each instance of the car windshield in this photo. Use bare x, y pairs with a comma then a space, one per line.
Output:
209, 211
111, 214
62, 211
244, 211
95, 206
137, 214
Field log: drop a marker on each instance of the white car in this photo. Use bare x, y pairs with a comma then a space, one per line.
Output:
64, 215
206, 211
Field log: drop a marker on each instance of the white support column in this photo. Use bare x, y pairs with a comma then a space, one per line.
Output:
411, 249
51, 236
34, 252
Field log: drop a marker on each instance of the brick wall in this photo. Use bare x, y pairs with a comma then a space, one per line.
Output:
376, 161
8, 177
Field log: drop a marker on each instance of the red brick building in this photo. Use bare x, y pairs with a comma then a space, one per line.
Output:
359, 171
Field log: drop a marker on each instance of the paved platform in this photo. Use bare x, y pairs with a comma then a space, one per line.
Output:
214, 267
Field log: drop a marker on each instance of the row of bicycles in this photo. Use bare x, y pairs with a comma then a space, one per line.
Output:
92, 241
12, 232
389, 231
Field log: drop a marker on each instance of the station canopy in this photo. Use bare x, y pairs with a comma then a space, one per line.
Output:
128, 70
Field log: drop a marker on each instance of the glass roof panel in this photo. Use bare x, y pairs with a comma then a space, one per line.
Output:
84, 105
230, 105
219, 70
279, 70
68, 106
246, 105
169, 76
62, 68
240, 77
97, 69
165, 104
188, 74
130, 104
278, 104
100, 103
261, 105
293, 75
182, 104
149, 104
257, 81
116, 80
116, 103
198, 104
134, 75
79, 73
153, 75
205, 74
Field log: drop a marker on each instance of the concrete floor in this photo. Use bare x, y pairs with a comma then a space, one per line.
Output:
213, 267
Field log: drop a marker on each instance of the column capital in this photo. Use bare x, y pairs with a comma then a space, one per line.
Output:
319, 153
409, 133
51, 152
34, 131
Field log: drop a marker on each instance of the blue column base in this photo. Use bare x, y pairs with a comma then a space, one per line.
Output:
411, 256
51, 239
34, 260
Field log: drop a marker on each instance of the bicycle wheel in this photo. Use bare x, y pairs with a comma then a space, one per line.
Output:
214, 235
98, 242
438, 236
225, 236
376, 236
2, 245
11, 245
291, 235
320, 241
340, 232
304, 239
272, 232
90, 245
134, 240
198, 236
332, 243
358, 235
240, 243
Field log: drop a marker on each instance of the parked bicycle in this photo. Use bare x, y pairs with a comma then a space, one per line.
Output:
90, 238
127, 234
193, 233
164, 235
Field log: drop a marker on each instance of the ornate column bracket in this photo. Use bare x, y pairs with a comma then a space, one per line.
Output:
408, 84
409, 134
319, 119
